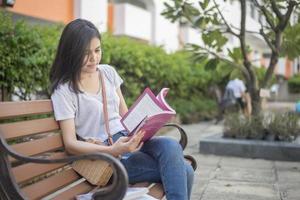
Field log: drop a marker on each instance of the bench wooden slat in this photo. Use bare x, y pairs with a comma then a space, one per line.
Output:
30, 127
81, 188
21, 108
39, 146
51, 184
48, 182
27, 171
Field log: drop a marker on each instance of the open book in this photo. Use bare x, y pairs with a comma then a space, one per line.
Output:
148, 113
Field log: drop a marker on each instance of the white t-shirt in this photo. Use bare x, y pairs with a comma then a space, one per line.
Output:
87, 109
237, 86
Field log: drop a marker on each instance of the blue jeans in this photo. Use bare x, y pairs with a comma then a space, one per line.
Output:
160, 160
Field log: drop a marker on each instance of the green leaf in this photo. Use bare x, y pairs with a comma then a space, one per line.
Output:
291, 42
204, 4
236, 72
235, 54
200, 23
212, 64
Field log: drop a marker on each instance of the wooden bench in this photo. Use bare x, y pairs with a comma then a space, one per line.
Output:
34, 164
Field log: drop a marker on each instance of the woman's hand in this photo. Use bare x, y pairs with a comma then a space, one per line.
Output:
128, 144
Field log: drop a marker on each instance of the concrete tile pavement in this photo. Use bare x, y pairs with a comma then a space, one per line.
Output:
232, 178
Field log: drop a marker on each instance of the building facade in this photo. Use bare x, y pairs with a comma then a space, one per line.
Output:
142, 20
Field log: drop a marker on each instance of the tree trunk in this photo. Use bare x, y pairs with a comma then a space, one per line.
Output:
255, 102
250, 76
5, 95
254, 95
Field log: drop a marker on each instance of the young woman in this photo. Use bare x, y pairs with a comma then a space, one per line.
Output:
77, 101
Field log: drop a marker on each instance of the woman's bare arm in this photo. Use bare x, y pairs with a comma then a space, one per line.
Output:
123, 106
74, 146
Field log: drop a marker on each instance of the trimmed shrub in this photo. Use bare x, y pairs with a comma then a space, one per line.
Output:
294, 84
284, 126
239, 126
274, 126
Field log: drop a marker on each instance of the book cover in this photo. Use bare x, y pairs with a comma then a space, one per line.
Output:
149, 113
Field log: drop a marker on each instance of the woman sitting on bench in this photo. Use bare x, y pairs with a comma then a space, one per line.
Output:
76, 79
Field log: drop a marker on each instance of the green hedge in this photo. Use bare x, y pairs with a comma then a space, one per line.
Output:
294, 84
26, 54
144, 66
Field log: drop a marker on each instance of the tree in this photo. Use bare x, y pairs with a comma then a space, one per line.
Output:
275, 29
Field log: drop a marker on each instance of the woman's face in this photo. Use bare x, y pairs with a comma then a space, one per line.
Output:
92, 56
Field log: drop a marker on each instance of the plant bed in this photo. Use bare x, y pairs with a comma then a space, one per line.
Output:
269, 136
266, 126
271, 150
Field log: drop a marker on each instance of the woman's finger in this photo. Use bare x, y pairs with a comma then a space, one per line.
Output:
136, 139
141, 134
140, 146
124, 139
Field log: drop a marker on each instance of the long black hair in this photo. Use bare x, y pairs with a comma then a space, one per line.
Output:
73, 43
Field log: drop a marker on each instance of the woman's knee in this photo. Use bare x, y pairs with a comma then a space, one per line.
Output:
164, 147
168, 144
171, 150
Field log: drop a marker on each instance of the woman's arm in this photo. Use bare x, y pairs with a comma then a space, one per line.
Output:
123, 107
74, 146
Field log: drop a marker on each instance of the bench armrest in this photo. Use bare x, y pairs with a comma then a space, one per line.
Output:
114, 191
183, 137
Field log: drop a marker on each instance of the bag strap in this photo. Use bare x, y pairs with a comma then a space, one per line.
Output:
110, 140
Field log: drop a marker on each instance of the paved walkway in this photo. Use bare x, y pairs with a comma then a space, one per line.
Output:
231, 178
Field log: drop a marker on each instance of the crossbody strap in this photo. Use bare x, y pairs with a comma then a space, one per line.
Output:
110, 140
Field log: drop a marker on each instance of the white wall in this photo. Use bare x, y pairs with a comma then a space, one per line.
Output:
166, 33
132, 21
190, 35
93, 10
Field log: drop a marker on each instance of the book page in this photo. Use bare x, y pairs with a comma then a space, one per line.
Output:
146, 107
161, 98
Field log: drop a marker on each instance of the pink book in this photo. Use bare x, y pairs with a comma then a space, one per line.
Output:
149, 113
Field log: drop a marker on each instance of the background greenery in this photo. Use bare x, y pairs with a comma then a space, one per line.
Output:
27, 51
294, 84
